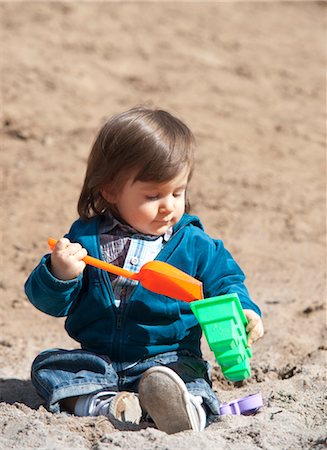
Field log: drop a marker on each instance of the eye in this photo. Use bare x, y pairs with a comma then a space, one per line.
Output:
178, 194
152, 198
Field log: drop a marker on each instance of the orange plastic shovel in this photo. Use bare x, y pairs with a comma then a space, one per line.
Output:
157, 276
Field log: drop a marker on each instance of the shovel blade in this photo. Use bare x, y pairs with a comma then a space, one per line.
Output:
162, 278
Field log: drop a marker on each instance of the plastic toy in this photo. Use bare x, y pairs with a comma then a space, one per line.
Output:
246, 405
157, 276
223, 323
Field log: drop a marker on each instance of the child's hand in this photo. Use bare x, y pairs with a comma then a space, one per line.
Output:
66, 260
254, 328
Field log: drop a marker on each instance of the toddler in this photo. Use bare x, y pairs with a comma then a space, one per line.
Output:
139, 351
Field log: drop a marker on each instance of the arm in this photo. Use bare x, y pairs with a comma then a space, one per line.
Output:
55, 283
222, 275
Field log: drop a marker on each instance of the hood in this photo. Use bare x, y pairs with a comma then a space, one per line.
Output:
186, 220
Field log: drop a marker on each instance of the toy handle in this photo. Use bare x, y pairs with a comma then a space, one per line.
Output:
100, 264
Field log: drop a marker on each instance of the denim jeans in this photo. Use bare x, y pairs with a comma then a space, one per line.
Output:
58, 374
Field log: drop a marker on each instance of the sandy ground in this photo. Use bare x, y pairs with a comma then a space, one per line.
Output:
249, 79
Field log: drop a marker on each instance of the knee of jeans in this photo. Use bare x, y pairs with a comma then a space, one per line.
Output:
42, 356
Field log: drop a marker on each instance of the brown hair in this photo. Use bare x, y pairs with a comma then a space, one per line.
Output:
150, 143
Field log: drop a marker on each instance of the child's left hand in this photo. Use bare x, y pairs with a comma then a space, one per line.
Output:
254, 328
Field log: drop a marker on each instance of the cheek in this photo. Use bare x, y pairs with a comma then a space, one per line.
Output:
141, 211
181, 206
149, 209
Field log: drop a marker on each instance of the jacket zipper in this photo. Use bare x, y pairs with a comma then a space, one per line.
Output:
116, 350
119, 319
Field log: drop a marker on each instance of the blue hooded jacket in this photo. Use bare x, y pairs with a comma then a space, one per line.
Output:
150, 323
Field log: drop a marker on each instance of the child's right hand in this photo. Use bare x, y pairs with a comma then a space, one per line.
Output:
66, 260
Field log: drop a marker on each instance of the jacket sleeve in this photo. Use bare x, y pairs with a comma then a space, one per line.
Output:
222, 275
48, 294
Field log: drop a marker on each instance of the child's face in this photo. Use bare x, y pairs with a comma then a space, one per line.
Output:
152, 208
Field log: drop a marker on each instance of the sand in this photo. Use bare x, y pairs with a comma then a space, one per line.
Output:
249, 79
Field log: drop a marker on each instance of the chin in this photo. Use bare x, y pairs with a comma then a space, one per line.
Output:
154, 231
158, 231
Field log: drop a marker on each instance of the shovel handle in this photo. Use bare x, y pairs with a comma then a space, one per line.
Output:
101, 264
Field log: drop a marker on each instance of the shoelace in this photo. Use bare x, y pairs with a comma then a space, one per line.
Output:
100, 406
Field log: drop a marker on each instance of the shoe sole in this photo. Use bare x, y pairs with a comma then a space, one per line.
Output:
163, 395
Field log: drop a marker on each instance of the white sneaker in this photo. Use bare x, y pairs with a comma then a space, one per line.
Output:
164, 396
121, 406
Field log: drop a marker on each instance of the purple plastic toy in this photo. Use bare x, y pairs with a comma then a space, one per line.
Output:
246, 405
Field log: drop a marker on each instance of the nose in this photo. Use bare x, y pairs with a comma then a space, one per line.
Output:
167, 204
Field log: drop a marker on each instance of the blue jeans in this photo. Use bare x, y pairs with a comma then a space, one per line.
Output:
58, 374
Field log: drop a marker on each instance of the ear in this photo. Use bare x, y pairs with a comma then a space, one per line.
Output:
108, 194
